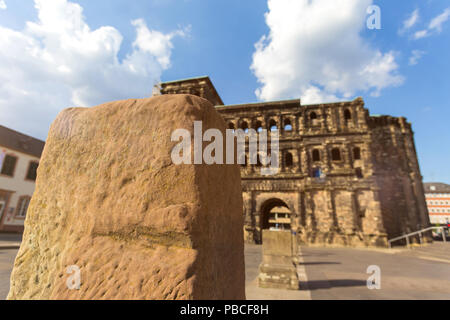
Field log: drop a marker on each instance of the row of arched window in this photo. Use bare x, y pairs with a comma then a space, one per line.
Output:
316, 156
314, 119
287, 123
273, 126
347, 115
335, 154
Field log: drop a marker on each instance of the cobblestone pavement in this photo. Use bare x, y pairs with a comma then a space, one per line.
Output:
339, 273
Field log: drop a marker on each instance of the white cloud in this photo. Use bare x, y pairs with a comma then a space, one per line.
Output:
435, 26
58, 61
436, 23
421, 34
3, 5
410, 22
416, 55
315, 51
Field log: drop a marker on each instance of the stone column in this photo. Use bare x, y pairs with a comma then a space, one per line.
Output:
347, 156
304, 158
366, 156
357, 227
296, 161
249, 221
326, 158
296, 124
331, 210
310, 222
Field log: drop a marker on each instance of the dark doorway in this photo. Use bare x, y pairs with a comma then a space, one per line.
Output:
275, 214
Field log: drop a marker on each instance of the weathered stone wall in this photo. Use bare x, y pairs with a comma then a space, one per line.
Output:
367, 191
397, 173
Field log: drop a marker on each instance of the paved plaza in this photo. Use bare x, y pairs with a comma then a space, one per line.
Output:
336, 273
341, 273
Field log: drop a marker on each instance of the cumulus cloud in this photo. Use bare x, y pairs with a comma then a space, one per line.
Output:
415, 57
410, 21
315, 50
3, 5
58, 61
435, 26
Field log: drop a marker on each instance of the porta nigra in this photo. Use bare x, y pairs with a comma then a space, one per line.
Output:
345, 177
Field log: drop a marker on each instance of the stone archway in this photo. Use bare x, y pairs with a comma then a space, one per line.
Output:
275, 214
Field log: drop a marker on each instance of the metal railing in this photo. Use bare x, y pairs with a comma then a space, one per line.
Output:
420, 232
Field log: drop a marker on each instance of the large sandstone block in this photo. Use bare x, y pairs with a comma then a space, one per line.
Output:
110, 201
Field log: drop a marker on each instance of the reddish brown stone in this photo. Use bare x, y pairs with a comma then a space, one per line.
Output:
109, 200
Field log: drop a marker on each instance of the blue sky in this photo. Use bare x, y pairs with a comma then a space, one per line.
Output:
101, 50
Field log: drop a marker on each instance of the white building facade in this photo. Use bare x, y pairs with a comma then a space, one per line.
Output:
19, 159
437, 196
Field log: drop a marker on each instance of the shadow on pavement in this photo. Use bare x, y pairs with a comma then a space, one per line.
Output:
327, 284
317, 263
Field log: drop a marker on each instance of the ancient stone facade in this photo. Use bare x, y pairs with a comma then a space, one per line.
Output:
347, 177
201, 87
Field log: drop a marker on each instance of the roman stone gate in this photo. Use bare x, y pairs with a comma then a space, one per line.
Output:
269, 211
344, 176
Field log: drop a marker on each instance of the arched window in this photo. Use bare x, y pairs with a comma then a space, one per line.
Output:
316, 155
313, 118
336, 154
287, 125
258, 126
273, 125
358, 172
347, 115
231, 126
289, 161
357, 153
244, 126
275, 215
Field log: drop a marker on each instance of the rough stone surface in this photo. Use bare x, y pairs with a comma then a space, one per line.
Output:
109, 200
277, 269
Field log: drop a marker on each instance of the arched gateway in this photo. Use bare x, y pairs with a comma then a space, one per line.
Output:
275, 215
